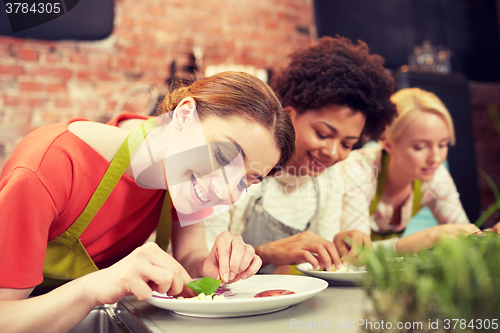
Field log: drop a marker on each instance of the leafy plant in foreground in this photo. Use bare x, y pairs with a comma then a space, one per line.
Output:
458, 279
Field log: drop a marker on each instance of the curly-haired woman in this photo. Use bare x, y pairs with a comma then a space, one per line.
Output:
336, 93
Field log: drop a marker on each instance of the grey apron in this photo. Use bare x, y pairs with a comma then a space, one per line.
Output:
262, 228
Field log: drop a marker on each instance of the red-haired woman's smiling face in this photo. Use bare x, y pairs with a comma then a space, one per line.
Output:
323, 137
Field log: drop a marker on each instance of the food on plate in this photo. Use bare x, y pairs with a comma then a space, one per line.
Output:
274, 292
206, 285
342, 268
203, 297
205, 288
200, 297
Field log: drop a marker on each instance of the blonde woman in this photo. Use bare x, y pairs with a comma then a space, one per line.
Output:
390, 183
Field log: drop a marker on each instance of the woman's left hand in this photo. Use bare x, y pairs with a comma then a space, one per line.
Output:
231, 259
429, 237
496, 228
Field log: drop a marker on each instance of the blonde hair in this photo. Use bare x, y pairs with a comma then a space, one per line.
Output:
409, 103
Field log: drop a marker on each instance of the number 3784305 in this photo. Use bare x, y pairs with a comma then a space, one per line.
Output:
472, 324
35, 8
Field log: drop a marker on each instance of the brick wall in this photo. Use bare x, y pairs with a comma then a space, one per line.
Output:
43, 82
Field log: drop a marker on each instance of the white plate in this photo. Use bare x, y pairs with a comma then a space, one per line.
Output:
355, 277
240, 300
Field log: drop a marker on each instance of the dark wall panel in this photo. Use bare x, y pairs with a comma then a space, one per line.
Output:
75, 20
392, 28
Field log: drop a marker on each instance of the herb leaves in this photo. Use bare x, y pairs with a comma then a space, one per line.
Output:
206, 285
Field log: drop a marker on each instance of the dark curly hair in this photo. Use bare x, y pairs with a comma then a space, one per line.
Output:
336, 71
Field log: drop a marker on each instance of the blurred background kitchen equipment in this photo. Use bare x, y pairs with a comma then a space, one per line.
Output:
137, 88
428, 58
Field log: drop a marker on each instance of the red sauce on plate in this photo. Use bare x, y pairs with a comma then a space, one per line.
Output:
275, 292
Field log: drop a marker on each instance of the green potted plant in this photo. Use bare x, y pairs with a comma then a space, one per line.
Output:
455, 287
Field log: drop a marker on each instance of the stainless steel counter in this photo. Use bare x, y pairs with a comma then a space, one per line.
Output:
337, 308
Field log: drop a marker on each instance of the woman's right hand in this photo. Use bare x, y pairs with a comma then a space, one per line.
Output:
350, 244
148, 268
231, 259
304, 247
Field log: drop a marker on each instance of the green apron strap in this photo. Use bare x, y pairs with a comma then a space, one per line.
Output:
381, 180
417, 196
66, 258
417, 188
164, 230
113, 174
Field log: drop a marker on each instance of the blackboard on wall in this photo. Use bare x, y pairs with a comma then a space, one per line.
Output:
57, 19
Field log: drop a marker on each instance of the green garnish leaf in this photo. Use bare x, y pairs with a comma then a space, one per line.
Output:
206, 285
